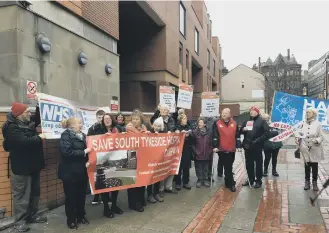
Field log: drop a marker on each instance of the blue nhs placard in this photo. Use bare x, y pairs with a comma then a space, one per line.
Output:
54, 113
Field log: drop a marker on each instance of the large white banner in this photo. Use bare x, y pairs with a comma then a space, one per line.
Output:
54, 109
210, 104
185, 96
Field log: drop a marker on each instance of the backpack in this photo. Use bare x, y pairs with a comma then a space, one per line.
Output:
4, 133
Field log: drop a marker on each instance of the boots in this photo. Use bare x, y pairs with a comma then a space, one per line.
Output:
265, 173
274, 173
307, 185
315, 186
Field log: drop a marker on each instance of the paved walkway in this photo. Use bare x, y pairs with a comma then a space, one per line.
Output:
280, 206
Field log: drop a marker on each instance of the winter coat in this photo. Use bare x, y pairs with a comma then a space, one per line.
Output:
155, 116
170, 125
91, 130
202, 145
24, 145
187, 153
130, 128
72, 165
121, 127
312, 152
100, 129
255, 138
268, 145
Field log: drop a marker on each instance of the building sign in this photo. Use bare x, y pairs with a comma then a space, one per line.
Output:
31, 89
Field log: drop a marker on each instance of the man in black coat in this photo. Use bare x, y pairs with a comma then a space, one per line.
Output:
27, 160
255, 132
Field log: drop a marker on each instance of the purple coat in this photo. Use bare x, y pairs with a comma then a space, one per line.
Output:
202, 145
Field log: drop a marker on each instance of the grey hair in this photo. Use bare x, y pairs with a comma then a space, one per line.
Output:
159, 121
164, 106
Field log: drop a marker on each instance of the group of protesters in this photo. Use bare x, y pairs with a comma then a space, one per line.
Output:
209, 135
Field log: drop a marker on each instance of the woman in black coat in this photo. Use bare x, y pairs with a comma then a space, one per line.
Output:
185, 164
72, 171
108, 125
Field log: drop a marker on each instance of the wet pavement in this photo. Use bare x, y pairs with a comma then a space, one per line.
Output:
281, 205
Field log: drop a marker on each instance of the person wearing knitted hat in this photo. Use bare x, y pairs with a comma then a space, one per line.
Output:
255, 131
25, 149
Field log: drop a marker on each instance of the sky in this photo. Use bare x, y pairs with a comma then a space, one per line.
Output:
251, 29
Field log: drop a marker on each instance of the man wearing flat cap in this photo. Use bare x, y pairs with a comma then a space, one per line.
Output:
25, 149
255, 132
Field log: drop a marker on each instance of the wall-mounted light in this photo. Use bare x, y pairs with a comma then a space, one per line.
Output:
43, 43
82, 58
108, 69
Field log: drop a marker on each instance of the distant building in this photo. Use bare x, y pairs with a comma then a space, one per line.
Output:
243, 87
316, 84
282, 74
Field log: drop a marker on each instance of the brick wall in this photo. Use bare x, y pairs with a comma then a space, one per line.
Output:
102, 14
52, 194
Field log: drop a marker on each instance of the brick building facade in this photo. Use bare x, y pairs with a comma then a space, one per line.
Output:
171, 42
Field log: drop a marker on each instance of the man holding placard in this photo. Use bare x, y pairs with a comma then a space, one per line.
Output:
255, 131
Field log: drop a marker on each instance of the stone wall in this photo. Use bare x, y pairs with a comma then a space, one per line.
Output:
58, 72
52, 194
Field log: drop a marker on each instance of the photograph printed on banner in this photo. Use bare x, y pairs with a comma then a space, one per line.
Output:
115, 168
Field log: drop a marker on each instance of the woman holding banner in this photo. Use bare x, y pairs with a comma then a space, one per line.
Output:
72, 171
186, 159
108, 126
311, 147
136, 196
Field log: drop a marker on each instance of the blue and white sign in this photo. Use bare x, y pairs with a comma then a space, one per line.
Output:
54, 109
290, 109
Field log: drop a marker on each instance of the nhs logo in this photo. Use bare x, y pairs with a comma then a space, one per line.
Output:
55, 113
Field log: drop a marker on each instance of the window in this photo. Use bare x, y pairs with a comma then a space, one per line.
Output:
214, 67
196, 41
180, 53
208, 59
187, 59
182, 19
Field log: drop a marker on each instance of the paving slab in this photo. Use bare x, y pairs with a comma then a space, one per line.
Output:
303, 214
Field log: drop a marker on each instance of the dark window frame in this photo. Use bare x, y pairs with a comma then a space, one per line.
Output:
181, 5
196, 41
181, 53
208, 59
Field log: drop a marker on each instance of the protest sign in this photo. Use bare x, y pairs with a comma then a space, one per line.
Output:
210, 104
54, 109
185, 96
121, 161
167, 96
290, 109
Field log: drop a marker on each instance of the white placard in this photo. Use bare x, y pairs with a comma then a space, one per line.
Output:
167, 96
210, 104
185, 96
